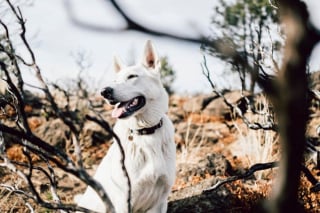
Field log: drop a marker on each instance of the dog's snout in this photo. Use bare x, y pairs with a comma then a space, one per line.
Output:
107, 93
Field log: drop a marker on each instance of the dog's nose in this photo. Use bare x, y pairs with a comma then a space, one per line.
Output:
107, 93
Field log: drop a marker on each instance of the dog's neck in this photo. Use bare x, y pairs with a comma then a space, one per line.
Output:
147, 130
140, 127
143, 121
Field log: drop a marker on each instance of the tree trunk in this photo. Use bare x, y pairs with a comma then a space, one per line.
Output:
291, 104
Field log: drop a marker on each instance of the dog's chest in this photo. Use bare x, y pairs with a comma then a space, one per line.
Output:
147, 170
144, 153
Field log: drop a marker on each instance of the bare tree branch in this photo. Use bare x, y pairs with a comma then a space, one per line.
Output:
263, 166
247, 174
233, 107
131, 25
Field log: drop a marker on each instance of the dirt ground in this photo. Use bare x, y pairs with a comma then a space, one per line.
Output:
209, 148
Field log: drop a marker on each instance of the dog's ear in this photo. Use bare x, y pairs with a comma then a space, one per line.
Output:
150, 57
117, 64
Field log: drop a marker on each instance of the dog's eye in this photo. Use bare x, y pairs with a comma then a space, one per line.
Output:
132, 76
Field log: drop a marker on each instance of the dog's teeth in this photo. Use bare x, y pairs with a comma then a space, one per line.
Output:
135, 102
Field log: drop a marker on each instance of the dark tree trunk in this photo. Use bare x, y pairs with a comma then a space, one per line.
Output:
291, 104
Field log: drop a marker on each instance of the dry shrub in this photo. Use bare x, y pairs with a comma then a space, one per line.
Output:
257, 146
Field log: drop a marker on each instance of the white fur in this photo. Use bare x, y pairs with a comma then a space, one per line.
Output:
149, 159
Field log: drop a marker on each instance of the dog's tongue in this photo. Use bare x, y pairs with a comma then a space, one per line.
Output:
117, 111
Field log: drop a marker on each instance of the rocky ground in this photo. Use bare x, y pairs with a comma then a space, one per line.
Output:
212, 145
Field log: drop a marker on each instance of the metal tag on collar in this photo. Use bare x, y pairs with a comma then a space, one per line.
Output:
130, 136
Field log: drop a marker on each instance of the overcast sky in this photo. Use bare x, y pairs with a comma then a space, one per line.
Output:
55, 39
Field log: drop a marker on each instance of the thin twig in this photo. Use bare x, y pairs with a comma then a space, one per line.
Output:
233, 107
38, 74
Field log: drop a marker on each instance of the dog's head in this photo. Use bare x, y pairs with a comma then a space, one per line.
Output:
137, 89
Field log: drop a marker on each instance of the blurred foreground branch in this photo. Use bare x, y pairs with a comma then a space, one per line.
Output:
290, 102
288, 93
16, 123
131, 23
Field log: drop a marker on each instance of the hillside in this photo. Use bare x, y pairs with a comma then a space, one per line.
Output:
212, 144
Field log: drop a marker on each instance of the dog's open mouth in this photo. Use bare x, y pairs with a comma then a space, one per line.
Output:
127, 108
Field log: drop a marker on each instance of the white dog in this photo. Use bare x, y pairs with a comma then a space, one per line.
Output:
146, 134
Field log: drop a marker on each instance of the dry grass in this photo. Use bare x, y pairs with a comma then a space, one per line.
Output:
192, 144
256, 146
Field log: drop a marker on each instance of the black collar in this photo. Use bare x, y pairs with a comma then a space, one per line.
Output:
147, 131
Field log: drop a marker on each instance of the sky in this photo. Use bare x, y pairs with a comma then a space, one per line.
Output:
56, 40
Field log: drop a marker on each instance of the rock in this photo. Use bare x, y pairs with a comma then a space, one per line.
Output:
213, 164
194, 200
217, 107
92, 135
54, 132
33, 99
176, 114
216, 164
190, 134
314, 80
35, 121
313, 127
195, 104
